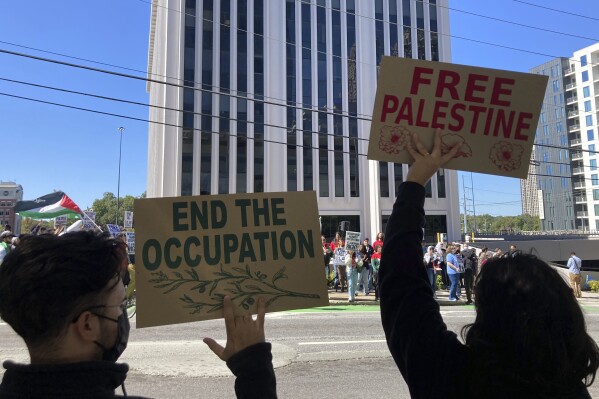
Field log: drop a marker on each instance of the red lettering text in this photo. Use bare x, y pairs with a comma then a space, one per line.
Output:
457, 117
448, 80
405, 112
502, 124
523, 123
390, 104
419, 121
472, 87
439, 113
418, 79
499, 89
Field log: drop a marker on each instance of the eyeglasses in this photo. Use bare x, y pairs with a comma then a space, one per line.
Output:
122, 305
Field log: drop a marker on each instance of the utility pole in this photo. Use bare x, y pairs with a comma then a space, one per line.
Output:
473, 203
465, 219
118, 189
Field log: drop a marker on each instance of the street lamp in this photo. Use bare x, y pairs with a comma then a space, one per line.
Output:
118, 190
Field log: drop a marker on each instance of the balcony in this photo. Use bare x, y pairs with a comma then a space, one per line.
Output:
569, 71
575, 142
577, 171
578, 186
573, 128
576, 155
571, 100
582, 214
572, 114
571, 86
580, 200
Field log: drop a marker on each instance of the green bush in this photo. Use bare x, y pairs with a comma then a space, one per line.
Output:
439, 282
594, 285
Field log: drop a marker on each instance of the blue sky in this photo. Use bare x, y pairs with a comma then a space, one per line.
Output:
47, 147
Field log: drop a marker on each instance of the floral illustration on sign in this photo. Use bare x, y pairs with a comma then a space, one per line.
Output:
394, 139
449, 140
506, 156
242, 285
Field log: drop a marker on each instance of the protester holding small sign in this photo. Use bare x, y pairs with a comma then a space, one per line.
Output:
529, 338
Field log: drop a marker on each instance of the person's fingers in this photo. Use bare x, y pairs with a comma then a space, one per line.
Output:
228, 315
415, 154
437, 143
452, 153
419, 146
215, 347
261, 312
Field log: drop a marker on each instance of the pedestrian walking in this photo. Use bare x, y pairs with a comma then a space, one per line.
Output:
574, 268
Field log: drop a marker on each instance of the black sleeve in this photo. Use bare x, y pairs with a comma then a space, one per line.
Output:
254, 371
428, 355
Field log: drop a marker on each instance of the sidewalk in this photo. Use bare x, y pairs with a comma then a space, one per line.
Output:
589, 299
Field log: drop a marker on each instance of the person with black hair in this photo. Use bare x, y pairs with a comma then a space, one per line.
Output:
528, 340
65, 297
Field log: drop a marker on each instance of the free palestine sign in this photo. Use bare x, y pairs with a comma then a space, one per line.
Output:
492, 113
192, 251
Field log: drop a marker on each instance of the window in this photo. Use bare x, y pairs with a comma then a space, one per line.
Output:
587, 106
596, 210
555, 85
589, 120
595, 194
591, 149
545, 130
595, 179
559, 127
593, 164
590, 135
585, 76
586, 91
583, 61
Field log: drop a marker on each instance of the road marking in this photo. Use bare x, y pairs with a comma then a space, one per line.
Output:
343, 342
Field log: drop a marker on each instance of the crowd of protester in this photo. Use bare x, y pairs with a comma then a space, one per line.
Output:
352, 270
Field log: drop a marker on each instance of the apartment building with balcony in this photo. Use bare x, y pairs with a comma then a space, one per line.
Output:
567, 168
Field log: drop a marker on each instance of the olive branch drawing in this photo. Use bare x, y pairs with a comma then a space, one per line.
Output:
241, 284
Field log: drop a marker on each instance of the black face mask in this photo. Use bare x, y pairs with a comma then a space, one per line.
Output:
123, 328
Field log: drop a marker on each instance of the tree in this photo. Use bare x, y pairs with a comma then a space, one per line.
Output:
105, 208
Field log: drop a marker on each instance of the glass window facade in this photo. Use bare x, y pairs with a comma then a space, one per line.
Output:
585, 76
188, 98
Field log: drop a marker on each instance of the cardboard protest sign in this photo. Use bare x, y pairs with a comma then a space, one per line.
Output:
87, 221
113, 229
352, 240
192, 251
60, 221
128, 222
130, 241
492, 113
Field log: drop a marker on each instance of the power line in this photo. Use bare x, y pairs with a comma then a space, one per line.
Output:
124, 75
203, 90
556, 10
179, 126
516, 23
398, 24
357, 153
176, 109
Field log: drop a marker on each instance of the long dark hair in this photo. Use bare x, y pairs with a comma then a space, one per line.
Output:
529, 334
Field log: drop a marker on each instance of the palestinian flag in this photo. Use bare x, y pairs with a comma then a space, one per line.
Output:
48, 206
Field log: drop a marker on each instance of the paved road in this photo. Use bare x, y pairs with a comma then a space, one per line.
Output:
317, 354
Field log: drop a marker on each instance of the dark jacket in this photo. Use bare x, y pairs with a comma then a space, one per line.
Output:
434, 363
99, 379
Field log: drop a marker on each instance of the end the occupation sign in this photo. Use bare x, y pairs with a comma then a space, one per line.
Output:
493, 113
192, 251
